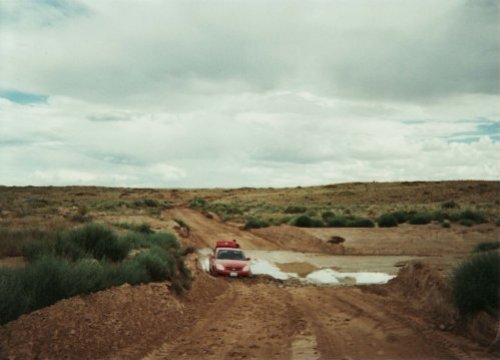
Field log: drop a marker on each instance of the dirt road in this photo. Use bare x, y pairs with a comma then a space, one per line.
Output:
263, 320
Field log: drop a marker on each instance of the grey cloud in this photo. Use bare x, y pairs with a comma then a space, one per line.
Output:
107, 118
405, 50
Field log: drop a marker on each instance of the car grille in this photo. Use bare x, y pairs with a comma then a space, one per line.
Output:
233, 268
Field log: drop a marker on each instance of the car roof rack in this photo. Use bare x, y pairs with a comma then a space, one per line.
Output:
226, 244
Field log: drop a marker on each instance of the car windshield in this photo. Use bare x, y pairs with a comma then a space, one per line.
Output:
230, 255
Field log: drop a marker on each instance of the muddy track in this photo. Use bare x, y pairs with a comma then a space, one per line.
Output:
257, 320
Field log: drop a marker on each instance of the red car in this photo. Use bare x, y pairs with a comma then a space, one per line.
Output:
228, 259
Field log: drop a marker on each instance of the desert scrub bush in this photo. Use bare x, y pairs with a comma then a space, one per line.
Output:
158, 263
471, 217
50, 277
401, 216
387, 220
142, 228
226, 209
421, 218
295, 209
476, 283
306, 221
360, 222
440, 216
92, 240
256, 223
182, 223
197, 203
12, 241
110, 205
337, 221
327, 215
486, 246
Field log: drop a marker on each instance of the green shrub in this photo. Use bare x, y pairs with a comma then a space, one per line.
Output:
182, 223
65, 267
165, 241
387, 220
421, 218
255, 223
471, 217
440, 216
151, 203
486, 246
360, 222
476, 216
401, 216
37, 248
446, 224
198, 203
92, 240
306, 221
327, 215
295, 209
337, 221
12, 241
476, 284
142, 228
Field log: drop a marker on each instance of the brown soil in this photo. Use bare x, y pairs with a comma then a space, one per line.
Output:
410, 239
259, 318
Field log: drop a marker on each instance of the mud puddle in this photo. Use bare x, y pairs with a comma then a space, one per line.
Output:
320, 268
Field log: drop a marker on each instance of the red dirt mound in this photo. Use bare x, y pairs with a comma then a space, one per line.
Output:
428, 290
293, 238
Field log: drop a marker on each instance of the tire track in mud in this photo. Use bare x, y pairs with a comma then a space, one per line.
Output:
349, 323
247, 321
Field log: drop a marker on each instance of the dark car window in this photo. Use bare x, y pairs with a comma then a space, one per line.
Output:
230, 255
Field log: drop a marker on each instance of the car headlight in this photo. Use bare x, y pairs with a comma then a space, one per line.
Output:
246, 268
219, 266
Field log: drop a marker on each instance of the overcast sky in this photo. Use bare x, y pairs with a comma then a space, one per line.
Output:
248, 93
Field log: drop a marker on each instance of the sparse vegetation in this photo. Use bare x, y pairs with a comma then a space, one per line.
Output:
13, 241
450, 204
486, 246
142, 228
476, 284
295, 209
198, 203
